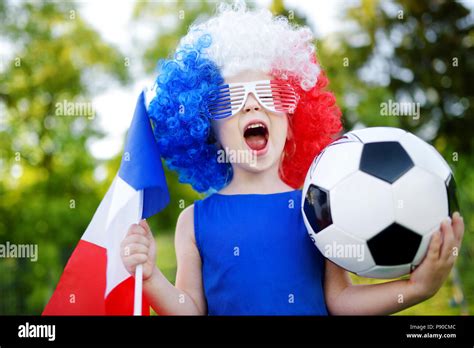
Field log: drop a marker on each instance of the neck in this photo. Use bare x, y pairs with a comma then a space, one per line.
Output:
264, 182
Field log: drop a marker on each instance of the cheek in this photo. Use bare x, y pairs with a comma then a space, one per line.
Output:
280, 131
227, 132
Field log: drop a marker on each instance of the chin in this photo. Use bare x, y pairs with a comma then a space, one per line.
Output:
263, 162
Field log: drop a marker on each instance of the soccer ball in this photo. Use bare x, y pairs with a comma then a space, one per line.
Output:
373, 198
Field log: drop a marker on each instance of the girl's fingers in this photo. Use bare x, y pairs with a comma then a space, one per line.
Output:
458, 226
134, 248
137, 229
136, 259
144, 224
135, 238
449, 241
139, 258
434, 248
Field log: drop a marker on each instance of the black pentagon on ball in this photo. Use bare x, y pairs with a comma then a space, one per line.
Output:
453, 204
395, 245
385, 160
317, 209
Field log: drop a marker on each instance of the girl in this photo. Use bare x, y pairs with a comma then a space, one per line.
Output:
245, 82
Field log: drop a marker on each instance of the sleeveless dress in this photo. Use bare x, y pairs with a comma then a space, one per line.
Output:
257, 258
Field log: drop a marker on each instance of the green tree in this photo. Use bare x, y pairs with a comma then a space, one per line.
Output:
47, 188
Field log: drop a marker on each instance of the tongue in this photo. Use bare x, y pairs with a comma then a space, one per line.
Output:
256, 142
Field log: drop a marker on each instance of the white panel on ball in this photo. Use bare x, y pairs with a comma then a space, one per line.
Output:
420, 200
374, 134
425, 156
337, 162
343, 249
362, 205
386, 272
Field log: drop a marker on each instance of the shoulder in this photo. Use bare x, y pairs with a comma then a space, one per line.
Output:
185, 224
187, 214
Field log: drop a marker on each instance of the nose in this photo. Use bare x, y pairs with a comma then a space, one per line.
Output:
251, 104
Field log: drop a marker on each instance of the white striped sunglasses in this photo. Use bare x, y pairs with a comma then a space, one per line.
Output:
273, 95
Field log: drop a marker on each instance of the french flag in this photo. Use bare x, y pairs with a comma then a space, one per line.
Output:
95, 281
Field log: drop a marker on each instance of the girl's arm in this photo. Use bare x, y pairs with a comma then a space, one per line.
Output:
344, 298
187, 296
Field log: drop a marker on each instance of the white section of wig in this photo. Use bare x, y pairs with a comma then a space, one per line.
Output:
245, 39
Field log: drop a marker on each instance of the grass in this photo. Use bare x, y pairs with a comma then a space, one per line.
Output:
440, 304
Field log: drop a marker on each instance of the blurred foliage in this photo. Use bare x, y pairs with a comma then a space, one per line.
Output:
47, 188
175, 19
399, 50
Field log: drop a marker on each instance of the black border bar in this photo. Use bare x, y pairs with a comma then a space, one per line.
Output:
155, 330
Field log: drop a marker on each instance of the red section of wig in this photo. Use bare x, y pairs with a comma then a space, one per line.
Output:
313, 125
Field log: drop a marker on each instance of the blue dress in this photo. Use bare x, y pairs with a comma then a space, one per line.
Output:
257, 258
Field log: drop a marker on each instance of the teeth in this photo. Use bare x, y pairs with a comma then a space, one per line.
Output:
256, 125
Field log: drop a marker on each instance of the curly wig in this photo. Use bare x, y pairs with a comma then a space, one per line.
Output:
235, 40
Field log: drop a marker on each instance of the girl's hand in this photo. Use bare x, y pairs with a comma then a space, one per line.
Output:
430, 275
138, 247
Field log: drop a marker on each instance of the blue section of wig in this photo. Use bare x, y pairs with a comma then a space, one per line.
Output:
179, 117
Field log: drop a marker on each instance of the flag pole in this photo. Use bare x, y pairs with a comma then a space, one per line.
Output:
137, 296
137, 301
147, 95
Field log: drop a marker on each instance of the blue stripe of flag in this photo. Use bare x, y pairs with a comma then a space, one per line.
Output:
141, 165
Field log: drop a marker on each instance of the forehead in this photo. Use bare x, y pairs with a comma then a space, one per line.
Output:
247, 76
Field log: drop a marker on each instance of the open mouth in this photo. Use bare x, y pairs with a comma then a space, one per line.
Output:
256, 135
